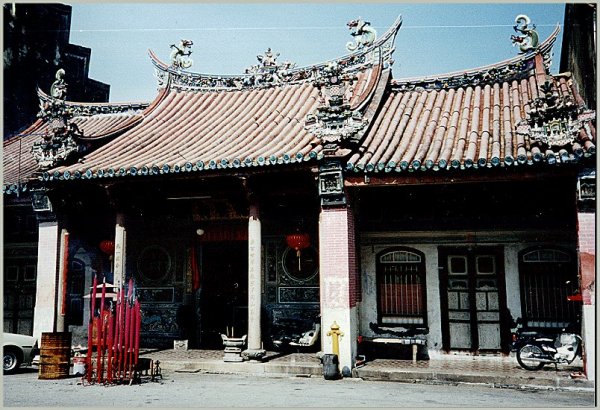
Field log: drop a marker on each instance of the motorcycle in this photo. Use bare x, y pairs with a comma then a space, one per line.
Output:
535, 350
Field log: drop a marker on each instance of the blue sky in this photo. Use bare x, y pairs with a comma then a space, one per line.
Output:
435, 38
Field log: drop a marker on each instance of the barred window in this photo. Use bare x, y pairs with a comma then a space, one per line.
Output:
401, 287
548, 276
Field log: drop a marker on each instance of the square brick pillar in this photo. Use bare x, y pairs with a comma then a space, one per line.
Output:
338, 281
586, 231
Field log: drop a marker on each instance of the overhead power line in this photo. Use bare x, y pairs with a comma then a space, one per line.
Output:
287, 28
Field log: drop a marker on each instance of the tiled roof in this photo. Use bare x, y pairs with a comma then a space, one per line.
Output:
95, 120
464, 127
472, 119
192, 131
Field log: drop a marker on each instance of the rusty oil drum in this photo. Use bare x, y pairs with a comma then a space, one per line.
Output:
55, 355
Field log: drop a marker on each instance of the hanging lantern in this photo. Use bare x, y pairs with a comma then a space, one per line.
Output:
298, 241
107, 246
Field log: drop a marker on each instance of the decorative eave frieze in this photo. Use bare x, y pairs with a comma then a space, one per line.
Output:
516, 68
89, 109
260, 76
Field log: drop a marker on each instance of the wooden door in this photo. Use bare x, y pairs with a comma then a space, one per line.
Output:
473, 298
19, 295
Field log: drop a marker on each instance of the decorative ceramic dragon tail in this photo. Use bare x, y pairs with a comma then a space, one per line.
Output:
529, 41
363, 34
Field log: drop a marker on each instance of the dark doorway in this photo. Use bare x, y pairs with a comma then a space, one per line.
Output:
224, 292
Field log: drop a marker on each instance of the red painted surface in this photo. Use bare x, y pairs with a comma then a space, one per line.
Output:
587, 255
338, 258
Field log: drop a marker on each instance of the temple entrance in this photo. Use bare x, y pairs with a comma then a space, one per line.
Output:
224, 292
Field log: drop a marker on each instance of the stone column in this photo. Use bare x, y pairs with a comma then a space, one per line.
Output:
119, 256
254, 351
46, 297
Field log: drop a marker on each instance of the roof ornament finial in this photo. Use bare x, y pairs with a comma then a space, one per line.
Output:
180, 54
364, 35
268, 71
529, 41
58, 89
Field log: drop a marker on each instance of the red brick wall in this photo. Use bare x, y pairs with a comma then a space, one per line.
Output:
338, 268
587, 254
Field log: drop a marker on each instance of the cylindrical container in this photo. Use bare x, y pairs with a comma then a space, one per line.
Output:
79, 365
55, 355
331, 369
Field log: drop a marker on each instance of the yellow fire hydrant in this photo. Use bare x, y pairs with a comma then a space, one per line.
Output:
335, 333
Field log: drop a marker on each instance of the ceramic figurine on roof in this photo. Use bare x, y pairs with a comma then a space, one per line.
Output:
180, 54
59, 87
555, 121
529, 40
268, 71
363, 34
59, 141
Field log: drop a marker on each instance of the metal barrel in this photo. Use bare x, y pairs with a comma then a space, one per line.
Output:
55, 355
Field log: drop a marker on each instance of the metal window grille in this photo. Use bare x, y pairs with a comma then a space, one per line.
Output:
401, 288
547, 281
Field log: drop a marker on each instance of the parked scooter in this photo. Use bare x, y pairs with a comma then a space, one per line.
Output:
535, 350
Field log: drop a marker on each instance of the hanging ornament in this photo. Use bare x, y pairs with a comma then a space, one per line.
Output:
298, 241
108, 247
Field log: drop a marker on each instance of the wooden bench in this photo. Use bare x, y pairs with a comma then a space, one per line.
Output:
415, 342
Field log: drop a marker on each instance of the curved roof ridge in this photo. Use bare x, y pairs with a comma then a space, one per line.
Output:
359, 60
519, 64
92, 108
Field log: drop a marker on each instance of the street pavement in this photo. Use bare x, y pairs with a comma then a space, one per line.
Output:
204, 390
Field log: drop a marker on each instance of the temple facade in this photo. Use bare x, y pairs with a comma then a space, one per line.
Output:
426, 216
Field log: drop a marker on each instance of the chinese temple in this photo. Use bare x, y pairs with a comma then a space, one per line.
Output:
431, 214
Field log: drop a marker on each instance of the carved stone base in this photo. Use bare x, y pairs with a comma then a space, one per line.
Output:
232, 354
254, 354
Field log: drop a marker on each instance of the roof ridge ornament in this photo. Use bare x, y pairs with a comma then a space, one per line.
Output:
268, 71
58, 89
180, 54
530, 39
364, 35
379, 51
554, 121
333, 121
59, 141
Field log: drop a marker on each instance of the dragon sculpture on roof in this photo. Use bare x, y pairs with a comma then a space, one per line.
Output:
529, 41
180, 54
364, 35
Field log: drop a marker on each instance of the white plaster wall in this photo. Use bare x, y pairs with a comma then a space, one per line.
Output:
45, 299
511, 278
368, 306
347, 321
589, 334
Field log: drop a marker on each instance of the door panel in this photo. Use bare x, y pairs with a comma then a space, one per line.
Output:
469, 280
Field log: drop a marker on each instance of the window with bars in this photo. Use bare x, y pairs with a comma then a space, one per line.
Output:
401, 288
548, 276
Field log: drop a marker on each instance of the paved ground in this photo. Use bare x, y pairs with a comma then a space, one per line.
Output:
185, 390
503, 372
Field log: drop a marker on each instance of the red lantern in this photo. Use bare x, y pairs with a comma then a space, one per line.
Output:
298, 241
108, 247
